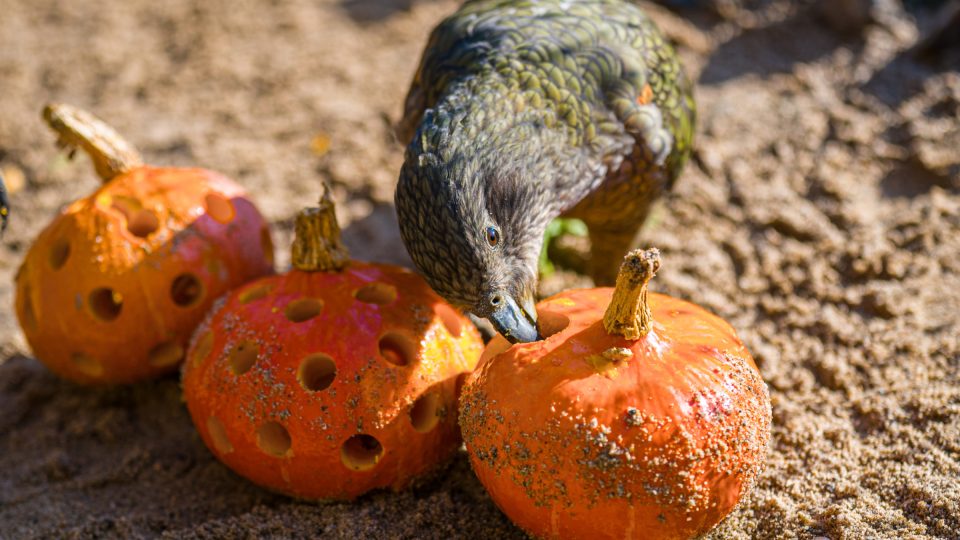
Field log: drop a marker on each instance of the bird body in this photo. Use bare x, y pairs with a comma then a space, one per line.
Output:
523, 111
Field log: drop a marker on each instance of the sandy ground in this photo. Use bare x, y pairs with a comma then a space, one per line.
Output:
820, 215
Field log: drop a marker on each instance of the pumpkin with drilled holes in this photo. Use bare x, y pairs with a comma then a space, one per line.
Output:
333, 379
638, 416
112, 289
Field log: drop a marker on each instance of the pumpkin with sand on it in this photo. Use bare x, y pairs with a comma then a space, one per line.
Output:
111, 290
638, 416
334, 378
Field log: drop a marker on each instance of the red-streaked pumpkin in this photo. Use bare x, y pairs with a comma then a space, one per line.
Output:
112, 289
639, 416
333, 379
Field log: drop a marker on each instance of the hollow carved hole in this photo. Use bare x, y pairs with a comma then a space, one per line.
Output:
274, 439
59, 253
87, 364
376, 293
317, 372
105, 303
142, 223
397, 349
243, 356
219, 207
218, 434
361, 452
255, 292
451, 320
303, 309
165, 354
186, 290
203, 347
426, 411
552, 323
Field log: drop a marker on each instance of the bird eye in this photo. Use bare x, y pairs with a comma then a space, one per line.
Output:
493, 236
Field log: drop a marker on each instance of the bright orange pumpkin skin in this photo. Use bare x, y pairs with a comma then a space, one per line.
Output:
112, 289
367, 396
660, 445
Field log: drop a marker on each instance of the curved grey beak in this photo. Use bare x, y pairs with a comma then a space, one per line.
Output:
517, 324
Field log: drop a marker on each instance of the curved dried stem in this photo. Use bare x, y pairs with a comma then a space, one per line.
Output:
628, 314
316, 243
111, 154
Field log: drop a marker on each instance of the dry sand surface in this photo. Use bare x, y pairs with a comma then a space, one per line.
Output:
820, 216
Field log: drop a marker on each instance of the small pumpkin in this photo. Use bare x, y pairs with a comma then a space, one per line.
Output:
333, 379
112, 289
639, 416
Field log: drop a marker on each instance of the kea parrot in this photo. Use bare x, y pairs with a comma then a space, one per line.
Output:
522, 111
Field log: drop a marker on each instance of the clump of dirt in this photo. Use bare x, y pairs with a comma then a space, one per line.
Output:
820, 216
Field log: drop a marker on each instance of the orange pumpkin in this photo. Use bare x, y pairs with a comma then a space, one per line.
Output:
333, 379
649, 421
112, 289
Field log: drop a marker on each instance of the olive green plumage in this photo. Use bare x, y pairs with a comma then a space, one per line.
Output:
523, 111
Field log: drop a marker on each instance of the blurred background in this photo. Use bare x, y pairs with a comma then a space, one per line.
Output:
820, 215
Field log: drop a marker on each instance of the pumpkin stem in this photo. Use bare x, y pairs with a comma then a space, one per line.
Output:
111, 154
316, 242
628, 313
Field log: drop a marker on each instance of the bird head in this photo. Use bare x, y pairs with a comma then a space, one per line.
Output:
475, 230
